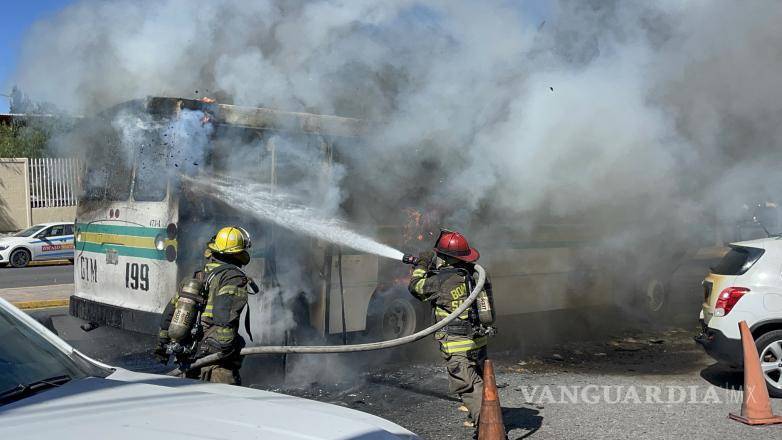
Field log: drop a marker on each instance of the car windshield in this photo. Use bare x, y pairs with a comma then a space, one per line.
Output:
29, 232
26, 357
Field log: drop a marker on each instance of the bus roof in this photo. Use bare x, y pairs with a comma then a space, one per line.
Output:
259, 118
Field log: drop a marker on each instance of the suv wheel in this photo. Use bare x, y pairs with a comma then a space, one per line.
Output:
19, 258
770, 349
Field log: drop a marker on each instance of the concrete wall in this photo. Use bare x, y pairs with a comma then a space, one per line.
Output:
15, 210
61, 214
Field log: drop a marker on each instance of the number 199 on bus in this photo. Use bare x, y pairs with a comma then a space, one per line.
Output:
136, 276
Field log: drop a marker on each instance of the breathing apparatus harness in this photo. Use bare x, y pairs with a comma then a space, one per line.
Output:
480, 314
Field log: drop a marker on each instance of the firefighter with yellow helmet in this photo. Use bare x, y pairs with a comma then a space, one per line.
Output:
203, 317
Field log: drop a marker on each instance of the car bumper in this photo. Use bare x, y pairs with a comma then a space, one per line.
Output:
720, 347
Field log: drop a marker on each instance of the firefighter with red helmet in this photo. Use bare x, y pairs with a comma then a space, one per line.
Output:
444, 277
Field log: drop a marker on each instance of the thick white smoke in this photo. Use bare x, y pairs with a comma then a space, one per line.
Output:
640, 117
479, 101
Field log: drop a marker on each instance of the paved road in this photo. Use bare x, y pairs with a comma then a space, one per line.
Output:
36, 276
645, 385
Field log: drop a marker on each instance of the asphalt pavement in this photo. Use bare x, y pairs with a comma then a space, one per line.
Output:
43, 275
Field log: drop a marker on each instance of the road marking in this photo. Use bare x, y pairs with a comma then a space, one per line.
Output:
41, 304
56, 295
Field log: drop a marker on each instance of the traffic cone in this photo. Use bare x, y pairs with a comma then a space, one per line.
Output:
756, 408
490, 426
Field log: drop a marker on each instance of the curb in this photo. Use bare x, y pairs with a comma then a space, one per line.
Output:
41, 304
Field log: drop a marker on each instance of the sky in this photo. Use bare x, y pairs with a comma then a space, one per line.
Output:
16, 19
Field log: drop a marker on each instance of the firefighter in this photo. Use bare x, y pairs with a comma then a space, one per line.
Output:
225, 288
445, 278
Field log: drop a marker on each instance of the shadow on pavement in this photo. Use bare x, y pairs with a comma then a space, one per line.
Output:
413, 388
521, 418
723, 376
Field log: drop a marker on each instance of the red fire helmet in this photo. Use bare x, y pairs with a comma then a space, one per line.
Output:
455, 245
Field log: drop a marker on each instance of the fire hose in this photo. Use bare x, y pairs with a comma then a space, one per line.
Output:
287, 349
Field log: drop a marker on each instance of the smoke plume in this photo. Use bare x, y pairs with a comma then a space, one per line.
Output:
645, 117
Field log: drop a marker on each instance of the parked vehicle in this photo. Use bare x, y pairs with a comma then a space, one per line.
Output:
746, 285
47, 241
48, 387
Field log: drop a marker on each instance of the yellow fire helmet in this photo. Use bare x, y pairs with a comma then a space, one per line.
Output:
230, 240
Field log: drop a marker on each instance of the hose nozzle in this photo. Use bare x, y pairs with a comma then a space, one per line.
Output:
409, 259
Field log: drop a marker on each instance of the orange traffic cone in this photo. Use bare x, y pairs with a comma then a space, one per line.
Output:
490, 426
756, 408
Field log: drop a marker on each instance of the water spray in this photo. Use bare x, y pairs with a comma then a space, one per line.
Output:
284, 211
321, 349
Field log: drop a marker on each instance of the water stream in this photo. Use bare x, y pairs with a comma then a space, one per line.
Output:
259, 200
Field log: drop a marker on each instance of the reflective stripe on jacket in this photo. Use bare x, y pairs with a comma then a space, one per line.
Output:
446, 289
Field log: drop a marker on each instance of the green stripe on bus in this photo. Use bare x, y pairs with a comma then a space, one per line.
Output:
152, 254
137, 231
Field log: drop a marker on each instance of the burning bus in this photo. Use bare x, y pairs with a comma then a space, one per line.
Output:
142, 226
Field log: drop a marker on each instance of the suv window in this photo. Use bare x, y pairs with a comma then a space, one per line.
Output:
68, 230
738, 260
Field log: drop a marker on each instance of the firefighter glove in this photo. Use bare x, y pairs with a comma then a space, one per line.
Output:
161, 354
425, 259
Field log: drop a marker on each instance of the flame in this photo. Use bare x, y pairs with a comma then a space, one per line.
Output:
207, 100
420, 227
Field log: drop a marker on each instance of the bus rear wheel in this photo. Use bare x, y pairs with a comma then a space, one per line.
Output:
19, 258
393, 315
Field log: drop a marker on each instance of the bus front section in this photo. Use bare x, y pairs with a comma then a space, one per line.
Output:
125, 267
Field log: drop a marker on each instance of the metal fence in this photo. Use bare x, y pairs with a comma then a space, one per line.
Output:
54, 182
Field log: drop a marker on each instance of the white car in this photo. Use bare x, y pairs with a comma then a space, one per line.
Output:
746, 285
50, 390
47, 241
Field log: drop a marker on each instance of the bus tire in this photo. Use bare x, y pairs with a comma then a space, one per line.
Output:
654, 298
394, 314
19, 258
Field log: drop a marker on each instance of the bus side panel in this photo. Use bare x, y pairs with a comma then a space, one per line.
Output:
544, 279
359, 281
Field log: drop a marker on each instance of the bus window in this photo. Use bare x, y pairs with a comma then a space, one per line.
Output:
151, 178
110, 183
